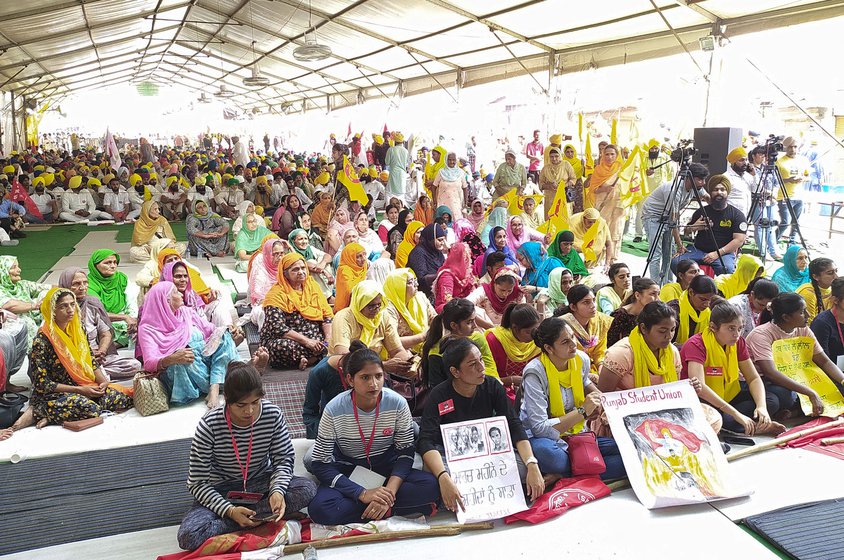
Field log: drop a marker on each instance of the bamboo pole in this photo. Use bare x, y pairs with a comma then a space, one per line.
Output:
783, 439
434, 531
832, 440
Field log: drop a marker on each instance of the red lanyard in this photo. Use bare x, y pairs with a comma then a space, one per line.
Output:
838, 324
366, 446
244, 470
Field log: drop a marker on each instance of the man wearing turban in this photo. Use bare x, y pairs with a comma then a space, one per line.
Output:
78, 205
720, 230
742, 182
229, 197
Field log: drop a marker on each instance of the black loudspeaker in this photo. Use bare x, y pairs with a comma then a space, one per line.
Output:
713, 145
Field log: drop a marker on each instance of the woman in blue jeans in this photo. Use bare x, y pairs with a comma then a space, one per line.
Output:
558, 398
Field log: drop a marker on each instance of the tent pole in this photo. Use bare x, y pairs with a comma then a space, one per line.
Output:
14, 123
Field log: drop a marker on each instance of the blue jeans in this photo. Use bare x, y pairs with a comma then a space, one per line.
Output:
767, 212
553, 457
785, 219
659, 269
697, 255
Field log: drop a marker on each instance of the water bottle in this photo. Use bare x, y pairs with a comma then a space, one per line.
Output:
310, 553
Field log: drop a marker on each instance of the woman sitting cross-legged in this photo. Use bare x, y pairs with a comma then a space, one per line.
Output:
297, 317
97, 327
558, 399
208, 233
382, 414
189, 352
716, 357
241, 447
212, 306
67, 384
249, 240
512, 344
470, 394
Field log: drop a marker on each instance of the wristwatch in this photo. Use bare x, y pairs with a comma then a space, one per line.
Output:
582, 412
532, 461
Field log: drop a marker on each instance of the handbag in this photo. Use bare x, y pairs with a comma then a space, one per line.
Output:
79, 425
150, 396
584, 455
11, 405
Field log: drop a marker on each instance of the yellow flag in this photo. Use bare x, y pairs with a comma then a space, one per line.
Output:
349, 179
558, 214
515, 203
614, 132
590, 163
588, 247
580, 126
629, 180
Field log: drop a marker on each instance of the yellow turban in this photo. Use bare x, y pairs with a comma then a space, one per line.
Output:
736, 154
556, 139
49, 178
92, 182
172, 179
261, 180
134, 179
36, 168
653, 143
398, 137
323, 178
38, 181
107, 179
199, 180
385, 176
379, 139
373, 171
153, 176
9, 169
226, 177
75, 182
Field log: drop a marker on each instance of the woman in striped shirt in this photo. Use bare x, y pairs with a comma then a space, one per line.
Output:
241, 464
363, 455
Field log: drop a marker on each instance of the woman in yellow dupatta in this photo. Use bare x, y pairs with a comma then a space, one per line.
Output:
409, 307
512, 346
693, 308
603, 192
66, 382
590, 326
559, 397
715, 357
150, 225
748, 267
592, 238
408, 243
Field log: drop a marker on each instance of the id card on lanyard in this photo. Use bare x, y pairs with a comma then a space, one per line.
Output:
367, 445
244, 497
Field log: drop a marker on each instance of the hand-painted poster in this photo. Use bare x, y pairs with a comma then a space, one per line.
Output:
671, 454
793, 358
483, 467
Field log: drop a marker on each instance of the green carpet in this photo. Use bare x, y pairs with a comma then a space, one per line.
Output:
42, 249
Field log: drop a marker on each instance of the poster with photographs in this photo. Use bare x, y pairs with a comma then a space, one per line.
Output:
670, 451
483, 466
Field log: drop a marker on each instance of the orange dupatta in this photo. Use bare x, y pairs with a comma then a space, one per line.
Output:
197, 283
422, 215
71, 344
349, 275
310, 302
601, 175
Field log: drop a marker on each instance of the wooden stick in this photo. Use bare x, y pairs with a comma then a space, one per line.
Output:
832, 440
783, 439
434, 531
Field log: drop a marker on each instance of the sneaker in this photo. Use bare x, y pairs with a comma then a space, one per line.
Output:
17, 234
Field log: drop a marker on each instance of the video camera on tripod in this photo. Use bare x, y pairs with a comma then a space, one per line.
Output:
773, 145
684, 151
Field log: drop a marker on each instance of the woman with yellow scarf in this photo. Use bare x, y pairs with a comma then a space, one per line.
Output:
748, 267
559, 398
603, 192
366, 320
715, 357
692, 308
150, 226
554, 172
589, 325
575, 194
512, 344
409, 307
66, 382
592, 238
411, 238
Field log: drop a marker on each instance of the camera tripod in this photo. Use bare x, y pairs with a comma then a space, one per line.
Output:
770, 172
668, 221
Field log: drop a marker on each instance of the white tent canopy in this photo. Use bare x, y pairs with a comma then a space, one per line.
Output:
380, 48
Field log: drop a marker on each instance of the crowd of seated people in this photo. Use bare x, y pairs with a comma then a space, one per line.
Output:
467, 303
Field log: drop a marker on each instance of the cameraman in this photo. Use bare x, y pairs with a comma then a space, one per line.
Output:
763, 234
652, 213
794, 169
718, 220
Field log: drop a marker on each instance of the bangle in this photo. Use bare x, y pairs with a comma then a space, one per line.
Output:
441, 473
532, 461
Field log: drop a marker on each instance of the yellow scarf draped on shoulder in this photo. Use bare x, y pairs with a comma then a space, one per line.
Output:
726, 382
569, 378
516, 350
645, 363
688, 312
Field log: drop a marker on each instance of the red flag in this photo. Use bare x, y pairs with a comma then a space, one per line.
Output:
566, 494
385, 129
349, 130
20, 196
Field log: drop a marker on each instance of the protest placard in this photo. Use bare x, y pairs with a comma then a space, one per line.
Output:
483, 467
793, 358
671, 454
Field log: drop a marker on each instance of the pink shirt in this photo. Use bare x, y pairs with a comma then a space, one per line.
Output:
694, 350
761, 339
535, 149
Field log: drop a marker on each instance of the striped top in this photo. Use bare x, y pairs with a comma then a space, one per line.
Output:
212, 458
339, 447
